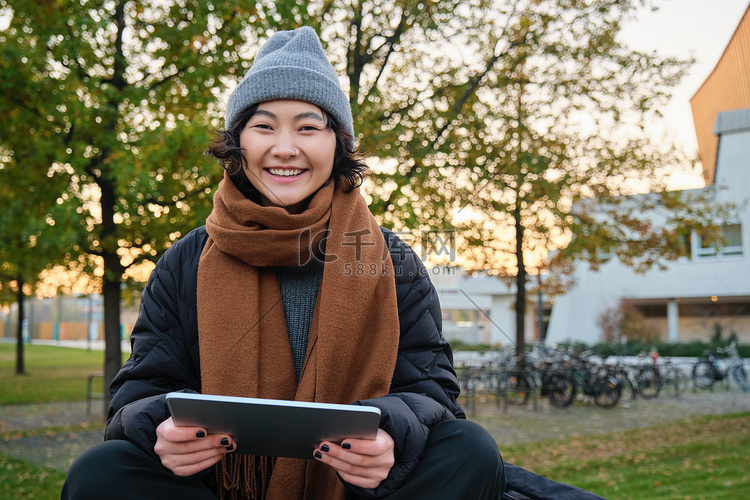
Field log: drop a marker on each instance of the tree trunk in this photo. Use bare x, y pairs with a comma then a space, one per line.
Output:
112, 348
113, 269
20, 370
110, 289
520, 286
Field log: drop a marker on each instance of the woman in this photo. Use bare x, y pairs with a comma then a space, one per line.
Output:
290, 291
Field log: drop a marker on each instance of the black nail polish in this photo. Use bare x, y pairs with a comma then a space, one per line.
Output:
318, 454
324, 448
200, 434
346, 446
230, 448
224, 441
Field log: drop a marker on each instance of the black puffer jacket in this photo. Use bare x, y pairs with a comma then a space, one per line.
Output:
165, 357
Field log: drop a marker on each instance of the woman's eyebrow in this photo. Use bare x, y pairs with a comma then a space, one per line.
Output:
265, 113
301, 116
310, 114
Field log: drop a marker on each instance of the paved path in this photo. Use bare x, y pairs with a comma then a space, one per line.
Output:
508, 426
521, 424
43, 416
56, 450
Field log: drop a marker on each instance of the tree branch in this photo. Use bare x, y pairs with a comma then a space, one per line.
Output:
471, 87
391, 41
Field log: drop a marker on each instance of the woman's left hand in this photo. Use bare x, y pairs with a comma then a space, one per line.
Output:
360, 462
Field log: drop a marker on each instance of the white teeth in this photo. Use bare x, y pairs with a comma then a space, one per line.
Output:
283, 172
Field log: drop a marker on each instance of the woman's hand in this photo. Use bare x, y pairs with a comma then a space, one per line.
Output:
360, 462
189, 450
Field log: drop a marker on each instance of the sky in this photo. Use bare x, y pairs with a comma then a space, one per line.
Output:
686, 28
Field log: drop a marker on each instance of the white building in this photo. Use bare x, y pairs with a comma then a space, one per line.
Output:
480, 309
712, 286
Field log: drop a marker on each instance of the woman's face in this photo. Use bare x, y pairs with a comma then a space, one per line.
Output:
289, 152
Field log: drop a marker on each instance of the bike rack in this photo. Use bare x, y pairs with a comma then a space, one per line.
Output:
90, 394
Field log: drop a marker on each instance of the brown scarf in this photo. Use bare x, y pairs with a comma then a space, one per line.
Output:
243, 339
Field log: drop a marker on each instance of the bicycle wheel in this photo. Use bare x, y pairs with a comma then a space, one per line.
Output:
673, 381
740, 376
703, 374
517, 388
606, 391
627, 389
561, 390
648, 383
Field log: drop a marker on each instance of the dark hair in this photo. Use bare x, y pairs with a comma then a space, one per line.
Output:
349, 168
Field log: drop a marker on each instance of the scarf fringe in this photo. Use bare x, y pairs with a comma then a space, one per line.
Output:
242, 477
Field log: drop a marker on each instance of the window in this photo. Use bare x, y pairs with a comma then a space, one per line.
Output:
653, 310
729, 244
713, 309
685, 242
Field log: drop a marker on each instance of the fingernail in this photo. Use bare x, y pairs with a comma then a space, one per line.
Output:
324, 448
318, 455
346, 446
200, 434
230, 448
224, 442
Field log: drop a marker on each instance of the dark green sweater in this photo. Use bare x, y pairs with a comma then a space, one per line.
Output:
299, 290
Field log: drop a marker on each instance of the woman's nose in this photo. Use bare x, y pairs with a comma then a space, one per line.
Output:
284, 147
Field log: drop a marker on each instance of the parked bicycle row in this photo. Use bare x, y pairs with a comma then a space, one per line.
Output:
565, 375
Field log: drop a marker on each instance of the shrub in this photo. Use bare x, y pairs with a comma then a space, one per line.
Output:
625, 322
459, 345
691, 349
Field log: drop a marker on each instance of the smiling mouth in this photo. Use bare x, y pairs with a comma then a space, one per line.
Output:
285, 172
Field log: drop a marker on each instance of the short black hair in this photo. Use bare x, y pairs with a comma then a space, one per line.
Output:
349, 168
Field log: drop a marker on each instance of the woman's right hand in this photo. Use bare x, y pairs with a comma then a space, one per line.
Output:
189, 450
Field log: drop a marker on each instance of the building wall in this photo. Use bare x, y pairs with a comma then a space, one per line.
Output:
503, 316
726, 88
481, 309
576, 314
64, 317
703, 328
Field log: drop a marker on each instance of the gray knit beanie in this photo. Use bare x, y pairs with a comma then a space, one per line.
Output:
292, 65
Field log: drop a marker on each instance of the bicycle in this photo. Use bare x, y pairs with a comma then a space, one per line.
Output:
515, 385
597, 383
557, 385
646, 378
628, 384
672, 380
707, 372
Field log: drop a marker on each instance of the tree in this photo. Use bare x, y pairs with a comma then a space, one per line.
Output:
127, 90
505, 120
26, 243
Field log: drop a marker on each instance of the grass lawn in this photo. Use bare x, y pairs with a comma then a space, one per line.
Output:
704, 457
19, 480
52, 374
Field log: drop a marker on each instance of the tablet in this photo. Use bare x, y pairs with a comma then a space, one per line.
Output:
272, 427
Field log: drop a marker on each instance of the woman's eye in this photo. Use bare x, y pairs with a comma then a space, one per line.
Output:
309, 128
262, 126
